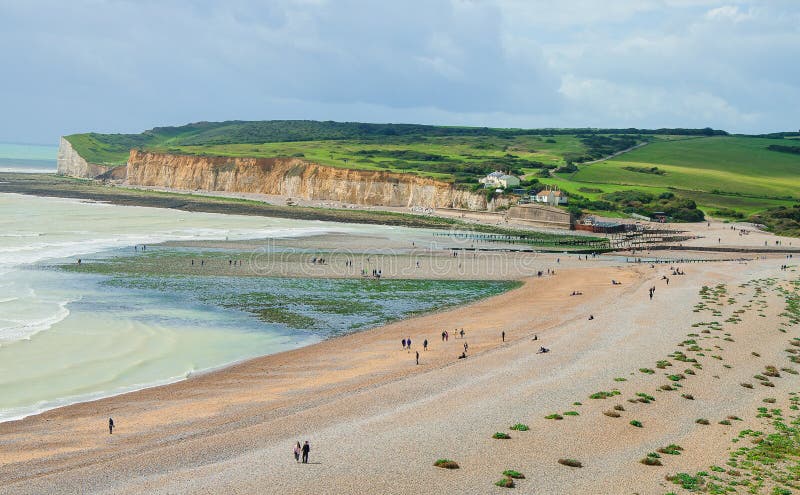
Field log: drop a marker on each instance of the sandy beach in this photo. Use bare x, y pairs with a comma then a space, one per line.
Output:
377, 421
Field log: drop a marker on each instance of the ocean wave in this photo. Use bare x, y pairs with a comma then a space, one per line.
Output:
25, 329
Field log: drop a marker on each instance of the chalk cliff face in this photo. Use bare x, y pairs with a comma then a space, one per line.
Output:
72, 164
296, 178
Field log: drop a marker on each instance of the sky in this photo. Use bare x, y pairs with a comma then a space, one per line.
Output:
126, 66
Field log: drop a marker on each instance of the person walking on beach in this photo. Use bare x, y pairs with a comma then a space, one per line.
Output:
417, 357
466, 347
404, 344
425, 345
408, 343
503, 334
306, 449
110, 426
462, 333
443, 335
297, 450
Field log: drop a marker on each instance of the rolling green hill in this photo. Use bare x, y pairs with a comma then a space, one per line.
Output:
677, 170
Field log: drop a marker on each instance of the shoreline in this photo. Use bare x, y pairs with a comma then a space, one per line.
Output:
208, 379
46, 185
204, 434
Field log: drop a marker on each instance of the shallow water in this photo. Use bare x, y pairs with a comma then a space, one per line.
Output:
67, 336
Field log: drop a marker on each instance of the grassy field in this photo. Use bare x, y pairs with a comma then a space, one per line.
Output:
725, 176
728, 164
423, 157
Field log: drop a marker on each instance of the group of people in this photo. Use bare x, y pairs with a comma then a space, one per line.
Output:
303, 451
375, 273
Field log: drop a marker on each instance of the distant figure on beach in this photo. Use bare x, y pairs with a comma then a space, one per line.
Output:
417, 357
462, 333
503, 335
306, 449
110, 426
79, 261
404, 344
425, 345
535, 337
463, 355
297, 450
591, 317
466, 347
408, 343
444, 334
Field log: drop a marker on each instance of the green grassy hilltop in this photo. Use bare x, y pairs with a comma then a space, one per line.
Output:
685, 172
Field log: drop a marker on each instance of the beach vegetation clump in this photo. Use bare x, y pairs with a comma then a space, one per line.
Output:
612, 414
666, 388
702, 421
554, 416
769, 400
663, 364
513, 474
604, 395
619, 407
620, 379
636, 423
501, 436
647, 371
570, 462
651, 461
571, 413
520, 427
746, 385
446, 464
688, 396
505, 483
725, 422
676, 378
671, 449
644, 398
687, 481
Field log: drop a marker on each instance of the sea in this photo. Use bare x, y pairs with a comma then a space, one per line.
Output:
27, 158
70, 336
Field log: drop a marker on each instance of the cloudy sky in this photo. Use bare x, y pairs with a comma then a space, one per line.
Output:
126, 66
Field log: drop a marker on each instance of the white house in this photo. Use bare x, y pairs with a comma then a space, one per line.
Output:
551, 197
499, 179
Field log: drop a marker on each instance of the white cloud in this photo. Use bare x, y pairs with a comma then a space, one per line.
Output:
123, 66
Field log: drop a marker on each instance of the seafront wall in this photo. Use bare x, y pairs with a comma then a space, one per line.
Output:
297, 178
72, 164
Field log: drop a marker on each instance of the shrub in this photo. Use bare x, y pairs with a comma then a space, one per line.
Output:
636, 423
520, 427
651, 461
647, 371
554, 416
612, 414
604, 394
505, 483
619, 407
644, 398
513, 474
571, 413
702, 421
570, 462
671, 449
501, 436
446, 464
746, 385
688, 396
